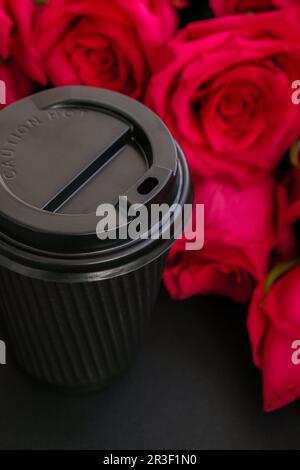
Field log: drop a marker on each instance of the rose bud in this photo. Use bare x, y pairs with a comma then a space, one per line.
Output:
274, 329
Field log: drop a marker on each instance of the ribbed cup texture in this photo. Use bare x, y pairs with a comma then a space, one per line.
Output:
78, 335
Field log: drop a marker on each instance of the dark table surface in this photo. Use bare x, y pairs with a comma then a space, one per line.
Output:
193, 386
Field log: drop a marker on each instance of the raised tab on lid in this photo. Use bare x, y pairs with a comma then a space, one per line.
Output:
64, 151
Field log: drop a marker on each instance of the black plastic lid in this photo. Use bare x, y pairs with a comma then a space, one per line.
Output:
66, 150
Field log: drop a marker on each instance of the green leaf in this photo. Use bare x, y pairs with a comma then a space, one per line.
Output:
277, 273
295, 153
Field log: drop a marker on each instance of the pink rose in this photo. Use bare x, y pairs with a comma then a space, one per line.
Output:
110, 44
19, 61
165, 10
17, 18
274, 329
225, 92
231, 7
240, 232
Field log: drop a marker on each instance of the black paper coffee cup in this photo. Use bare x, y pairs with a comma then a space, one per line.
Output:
74, 304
